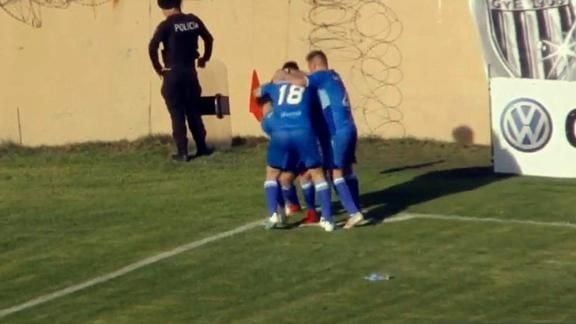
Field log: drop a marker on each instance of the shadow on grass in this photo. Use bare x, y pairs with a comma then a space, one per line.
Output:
391, 201
412, 167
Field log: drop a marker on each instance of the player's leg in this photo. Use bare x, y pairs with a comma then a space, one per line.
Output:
325, 198
176, 102
344, 192
342, 144
327, 154
309, 192
273, 198
277, 159
349, 175
353, 185
310, 155
289, 193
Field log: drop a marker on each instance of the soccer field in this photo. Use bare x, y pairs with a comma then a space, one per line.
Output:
468, 246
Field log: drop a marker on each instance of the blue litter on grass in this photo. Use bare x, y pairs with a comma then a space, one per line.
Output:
375, 277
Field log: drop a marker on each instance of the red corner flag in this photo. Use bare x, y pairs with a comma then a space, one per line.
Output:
255, 108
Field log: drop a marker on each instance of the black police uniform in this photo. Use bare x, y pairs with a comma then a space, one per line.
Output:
181, 89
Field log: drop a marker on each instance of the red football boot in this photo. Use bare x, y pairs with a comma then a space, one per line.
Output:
312, 218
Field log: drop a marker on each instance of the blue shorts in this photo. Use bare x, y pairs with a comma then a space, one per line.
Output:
341, 154
288, 148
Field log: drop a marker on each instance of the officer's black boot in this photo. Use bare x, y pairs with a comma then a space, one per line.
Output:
181, 157
203, 151
199, 135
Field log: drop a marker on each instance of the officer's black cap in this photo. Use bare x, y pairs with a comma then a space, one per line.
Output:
170, 4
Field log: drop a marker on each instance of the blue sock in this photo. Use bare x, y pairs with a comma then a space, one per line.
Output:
309, 195
354, 186
290, 195
273, 196
280, 198
325, 197
345, 196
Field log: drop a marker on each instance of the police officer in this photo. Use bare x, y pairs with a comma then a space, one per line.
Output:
181, 89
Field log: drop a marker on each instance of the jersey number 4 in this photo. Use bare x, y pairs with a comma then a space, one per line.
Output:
291, 94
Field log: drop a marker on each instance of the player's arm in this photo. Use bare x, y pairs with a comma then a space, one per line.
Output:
264, 98
298, 78
154, 45
208, 44
266, 107
257, 92
261, 91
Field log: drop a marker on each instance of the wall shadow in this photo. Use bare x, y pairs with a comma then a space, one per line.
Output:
429, 186
463, 135
412, 167
388, 202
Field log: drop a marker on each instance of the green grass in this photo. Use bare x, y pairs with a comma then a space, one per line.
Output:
69, 214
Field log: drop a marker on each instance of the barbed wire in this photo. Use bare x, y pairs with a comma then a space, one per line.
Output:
30, 11
363, 34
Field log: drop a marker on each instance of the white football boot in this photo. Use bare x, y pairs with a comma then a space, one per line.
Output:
354, 220
328, 226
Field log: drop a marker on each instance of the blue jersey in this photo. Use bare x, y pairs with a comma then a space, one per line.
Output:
334, 100
267, 123
291, 106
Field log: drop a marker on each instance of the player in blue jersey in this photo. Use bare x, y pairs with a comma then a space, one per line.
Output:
290, 196
342, 128
287, 178
340, 154
292, 140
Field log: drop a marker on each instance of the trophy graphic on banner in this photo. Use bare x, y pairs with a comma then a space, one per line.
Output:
534, 39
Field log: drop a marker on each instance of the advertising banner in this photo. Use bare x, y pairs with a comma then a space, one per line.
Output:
533, 125
530, 52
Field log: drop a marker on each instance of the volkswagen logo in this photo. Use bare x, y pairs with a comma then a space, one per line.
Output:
526, 125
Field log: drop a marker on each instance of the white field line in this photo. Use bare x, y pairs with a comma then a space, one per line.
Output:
196, 244
127, 269
489, 220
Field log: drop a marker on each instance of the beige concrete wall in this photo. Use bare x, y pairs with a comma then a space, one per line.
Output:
445, 84
84, 74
